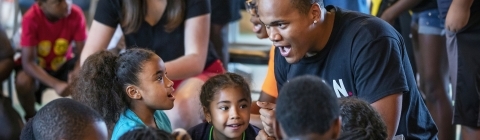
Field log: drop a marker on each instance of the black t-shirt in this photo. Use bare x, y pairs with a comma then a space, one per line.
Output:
168, 46
202, 132
365, 57
425, 5
225, 11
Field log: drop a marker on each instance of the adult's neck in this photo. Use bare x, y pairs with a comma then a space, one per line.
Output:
323, 30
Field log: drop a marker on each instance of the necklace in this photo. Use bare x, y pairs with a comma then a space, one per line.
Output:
211, 133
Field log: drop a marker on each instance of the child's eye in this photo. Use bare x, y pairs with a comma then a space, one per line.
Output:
282, 25
243, 106
160, 78
223, 108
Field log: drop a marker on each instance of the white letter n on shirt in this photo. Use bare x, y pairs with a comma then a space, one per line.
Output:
339, 89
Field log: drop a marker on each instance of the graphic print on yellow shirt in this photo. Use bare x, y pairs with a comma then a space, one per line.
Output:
52, 56
57, 62
44, 48
61, 46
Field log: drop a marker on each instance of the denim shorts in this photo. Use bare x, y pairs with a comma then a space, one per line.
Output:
428, 22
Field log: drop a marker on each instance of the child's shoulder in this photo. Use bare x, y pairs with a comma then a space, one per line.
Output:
162, 121
199, 131
76, 12
251, 132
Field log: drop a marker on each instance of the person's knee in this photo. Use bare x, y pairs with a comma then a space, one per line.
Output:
24, 82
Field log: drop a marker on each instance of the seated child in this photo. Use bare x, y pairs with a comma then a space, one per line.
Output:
307, 109
148, 133
360, 121
65, 119
129, 90
48, 29
226, 104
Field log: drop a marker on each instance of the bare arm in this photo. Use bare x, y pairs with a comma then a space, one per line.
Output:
197, 31
458, 15
33, 69
392, 12
390, 108
6, 56
98, 39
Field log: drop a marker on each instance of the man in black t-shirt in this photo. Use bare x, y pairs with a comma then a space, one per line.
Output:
359, 55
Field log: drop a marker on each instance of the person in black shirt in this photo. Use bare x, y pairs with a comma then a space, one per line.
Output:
177, 31
462, 22
358, 54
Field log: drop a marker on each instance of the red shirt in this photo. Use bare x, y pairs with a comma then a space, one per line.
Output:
52, 39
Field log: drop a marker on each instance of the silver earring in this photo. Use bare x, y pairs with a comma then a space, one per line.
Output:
315, 22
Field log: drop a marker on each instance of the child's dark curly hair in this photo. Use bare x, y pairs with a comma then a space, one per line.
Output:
103, 78
61, 118
218, 82
360, 121
147, 133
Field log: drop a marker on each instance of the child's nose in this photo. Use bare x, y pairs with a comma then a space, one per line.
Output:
234, 113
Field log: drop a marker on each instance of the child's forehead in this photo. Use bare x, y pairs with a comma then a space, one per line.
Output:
231, 93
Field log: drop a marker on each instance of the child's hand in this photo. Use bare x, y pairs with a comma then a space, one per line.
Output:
60, 88
457, 17
181, 134
263, 136
267, 115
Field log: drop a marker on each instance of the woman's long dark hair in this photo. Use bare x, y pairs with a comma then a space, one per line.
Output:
134, 12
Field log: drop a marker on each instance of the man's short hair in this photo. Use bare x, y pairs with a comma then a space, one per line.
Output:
306, 105
360, 121
303, 6
63, 119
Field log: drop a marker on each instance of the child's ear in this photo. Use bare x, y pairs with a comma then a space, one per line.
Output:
208, 117
133, 92
336, 128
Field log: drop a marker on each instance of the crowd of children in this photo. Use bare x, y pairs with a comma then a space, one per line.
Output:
314, 88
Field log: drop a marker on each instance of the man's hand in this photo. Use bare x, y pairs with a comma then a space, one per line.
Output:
263, 136
258, 27
60, 88
267, 115
457, 17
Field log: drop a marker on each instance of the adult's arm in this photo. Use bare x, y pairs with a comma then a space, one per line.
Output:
98, 39
6, 56
458, 15
392, 12
31, 67
197, 31
390, 108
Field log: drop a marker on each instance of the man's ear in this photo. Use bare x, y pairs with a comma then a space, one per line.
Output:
336, 128
208, 117
315, 12
133, 92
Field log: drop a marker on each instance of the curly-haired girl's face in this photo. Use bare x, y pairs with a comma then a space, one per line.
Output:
229, 113
154, 86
